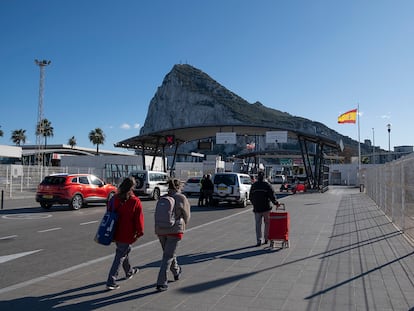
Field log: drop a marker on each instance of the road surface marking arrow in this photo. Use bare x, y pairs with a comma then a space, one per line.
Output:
15, 256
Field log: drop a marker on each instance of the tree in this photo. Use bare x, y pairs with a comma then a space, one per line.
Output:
44, 128
97, 137
18, 137
1, 132
72, 142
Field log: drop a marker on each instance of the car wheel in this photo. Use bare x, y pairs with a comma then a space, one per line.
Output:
46, 205
156, 194
76, 202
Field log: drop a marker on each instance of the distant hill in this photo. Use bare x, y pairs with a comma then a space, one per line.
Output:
190, 97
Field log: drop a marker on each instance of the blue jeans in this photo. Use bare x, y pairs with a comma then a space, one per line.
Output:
169, 259
121, 257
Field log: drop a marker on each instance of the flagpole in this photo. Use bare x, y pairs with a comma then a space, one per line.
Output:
359, 141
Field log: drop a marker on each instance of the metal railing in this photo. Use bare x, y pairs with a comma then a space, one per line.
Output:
22, 180
391, 187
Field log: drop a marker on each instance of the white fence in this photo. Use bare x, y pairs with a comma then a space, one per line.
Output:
391, 186
18, 181
22, 180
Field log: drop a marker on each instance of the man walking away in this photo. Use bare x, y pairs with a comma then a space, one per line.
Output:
261, 194
208, 189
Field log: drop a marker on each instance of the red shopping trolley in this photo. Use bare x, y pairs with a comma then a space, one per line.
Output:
279, 223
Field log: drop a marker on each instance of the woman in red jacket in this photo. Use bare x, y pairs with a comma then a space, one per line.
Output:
130, 226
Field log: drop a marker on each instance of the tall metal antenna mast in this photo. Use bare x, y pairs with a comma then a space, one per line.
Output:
39, 137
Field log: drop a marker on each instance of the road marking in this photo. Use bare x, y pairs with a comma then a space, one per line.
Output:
94, 261
26, 216
8, 237
15, 256
89, 222
47, 230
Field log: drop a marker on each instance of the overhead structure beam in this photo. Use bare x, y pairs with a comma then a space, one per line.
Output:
155, 143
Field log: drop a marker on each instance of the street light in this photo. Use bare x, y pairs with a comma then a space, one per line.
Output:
39, 138
389, 134
373, 146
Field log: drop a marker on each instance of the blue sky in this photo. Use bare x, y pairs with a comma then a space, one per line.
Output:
315, 59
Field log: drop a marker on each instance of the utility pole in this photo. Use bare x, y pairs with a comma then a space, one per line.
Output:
39, 138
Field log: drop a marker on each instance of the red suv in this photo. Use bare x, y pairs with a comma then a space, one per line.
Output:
77, 190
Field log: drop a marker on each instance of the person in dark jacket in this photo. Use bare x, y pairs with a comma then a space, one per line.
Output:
169, 237
201, 198
261, 194
129, 227
208, 189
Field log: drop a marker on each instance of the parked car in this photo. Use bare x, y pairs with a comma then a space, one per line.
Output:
151, 184
192, 186
77, 190
232, 188
278, 179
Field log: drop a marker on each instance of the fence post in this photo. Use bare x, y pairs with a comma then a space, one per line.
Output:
403, 196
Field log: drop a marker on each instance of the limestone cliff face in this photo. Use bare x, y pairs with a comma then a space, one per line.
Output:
189, 97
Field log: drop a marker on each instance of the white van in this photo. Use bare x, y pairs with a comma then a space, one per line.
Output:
150, 184
232, 188
278, 179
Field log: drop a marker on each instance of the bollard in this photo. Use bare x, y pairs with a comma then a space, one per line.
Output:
2, 196
361, 187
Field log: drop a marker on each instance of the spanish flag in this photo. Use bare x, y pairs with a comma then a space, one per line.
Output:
348, 117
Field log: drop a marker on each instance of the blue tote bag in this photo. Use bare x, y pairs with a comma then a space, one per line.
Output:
106, 229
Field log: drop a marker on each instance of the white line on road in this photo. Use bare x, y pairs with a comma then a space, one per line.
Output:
8, 237
89, 222
94, 261
51, 229
15, 256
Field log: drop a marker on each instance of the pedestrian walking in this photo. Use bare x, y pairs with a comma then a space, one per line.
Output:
169, 236
208, 189
201, 198
261, 194
129, 227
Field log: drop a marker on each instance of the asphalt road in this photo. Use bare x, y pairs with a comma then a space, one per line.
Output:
35, 242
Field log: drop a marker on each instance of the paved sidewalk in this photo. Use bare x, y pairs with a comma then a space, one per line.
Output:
344, 255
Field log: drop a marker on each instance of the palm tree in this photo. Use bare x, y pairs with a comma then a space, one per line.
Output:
97, 137
72, 142
44, 128
18, 137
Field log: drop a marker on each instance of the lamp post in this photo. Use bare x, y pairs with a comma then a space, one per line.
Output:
39, 138
389, 139
389, 134
373, 146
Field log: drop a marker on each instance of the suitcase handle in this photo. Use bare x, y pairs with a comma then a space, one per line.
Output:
281, 205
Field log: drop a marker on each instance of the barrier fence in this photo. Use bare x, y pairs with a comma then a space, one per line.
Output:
18, 181
22, 180
391, 187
